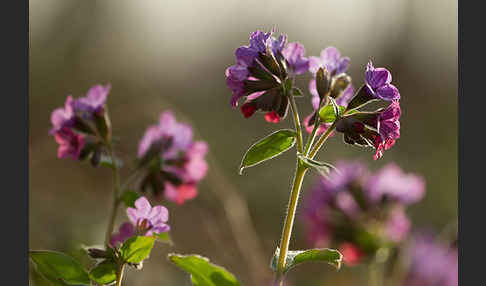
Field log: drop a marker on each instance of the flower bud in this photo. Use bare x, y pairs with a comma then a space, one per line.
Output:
322, 82
339, 84
98, 253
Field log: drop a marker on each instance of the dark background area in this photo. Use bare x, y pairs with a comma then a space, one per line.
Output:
161, 55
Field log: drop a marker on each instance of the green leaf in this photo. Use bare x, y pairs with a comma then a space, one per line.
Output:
137, 248
296, 257
164, 237
268, 148
129, 197
322, 167
108, 162
59, 268
103, 273
329, 113
297, 92
203, 273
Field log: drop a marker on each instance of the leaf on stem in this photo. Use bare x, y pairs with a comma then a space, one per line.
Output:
137, 248
268, 148
203, 273
329, 113
59, 268
108, 162
296, 257
104, 272
322, 168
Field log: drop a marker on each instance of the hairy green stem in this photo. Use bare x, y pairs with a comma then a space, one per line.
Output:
119, 275
298, 127
310, 141
321, 140
289, 219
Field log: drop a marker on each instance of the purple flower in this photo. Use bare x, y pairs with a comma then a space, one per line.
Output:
378, 82
388, 126
144, 220
330, 59
70, 143
93, 102
432, 263
294, 54
181, 159
393, 183
62, 117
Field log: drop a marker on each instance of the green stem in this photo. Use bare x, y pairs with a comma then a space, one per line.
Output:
321, 140
310, 141
116, 200
289, 220
298, 127
119, 275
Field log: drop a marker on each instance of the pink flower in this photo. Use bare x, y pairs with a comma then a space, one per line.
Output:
70, 143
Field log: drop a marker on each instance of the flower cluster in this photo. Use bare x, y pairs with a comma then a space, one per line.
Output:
175, 162
432, 262
82, 127
260, 73
144, 219
360, 212
264, 76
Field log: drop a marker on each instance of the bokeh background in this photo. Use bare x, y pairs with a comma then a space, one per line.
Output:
161, 55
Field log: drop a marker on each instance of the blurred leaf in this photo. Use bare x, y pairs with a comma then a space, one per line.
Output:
203, 273
137, 248
129, 197
268, 148
330, 112
104, 273
322, 167
164, 237
296, 257
59, 268
106, 161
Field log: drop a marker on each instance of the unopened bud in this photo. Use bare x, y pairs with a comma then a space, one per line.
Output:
340, 83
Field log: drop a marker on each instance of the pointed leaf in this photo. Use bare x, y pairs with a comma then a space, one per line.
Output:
137, 248
203, 273
361, 98
268, 148
322, 167
296, 257
59, 267
329, 113
103, 273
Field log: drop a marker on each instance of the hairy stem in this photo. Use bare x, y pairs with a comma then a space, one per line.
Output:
321, 140
310, 141
119, 275
298, 127
289, 219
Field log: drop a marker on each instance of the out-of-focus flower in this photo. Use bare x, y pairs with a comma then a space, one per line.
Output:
352, 255
432, 263
348, 208
378, 82
79, 121
175, 161
330, 58
70, 143
294, 54
391, 182
144, 220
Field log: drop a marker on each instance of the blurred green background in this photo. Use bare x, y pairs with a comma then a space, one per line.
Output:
161, 55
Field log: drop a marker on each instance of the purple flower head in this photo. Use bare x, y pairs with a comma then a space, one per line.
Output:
330, 59
144, 220
93, 102
62, 117
398, 225
294, 54
180, 160
432, 263
349, 173
70, 143
148, 220
388, 125
393, 183
378, 82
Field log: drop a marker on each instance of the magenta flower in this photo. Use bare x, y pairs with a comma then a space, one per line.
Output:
93, 102
70, 143
340, 209
330, 59
62, 117
388, 126
391, 182
294, 53
179, 161
144, 220
378, 83
432, 263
